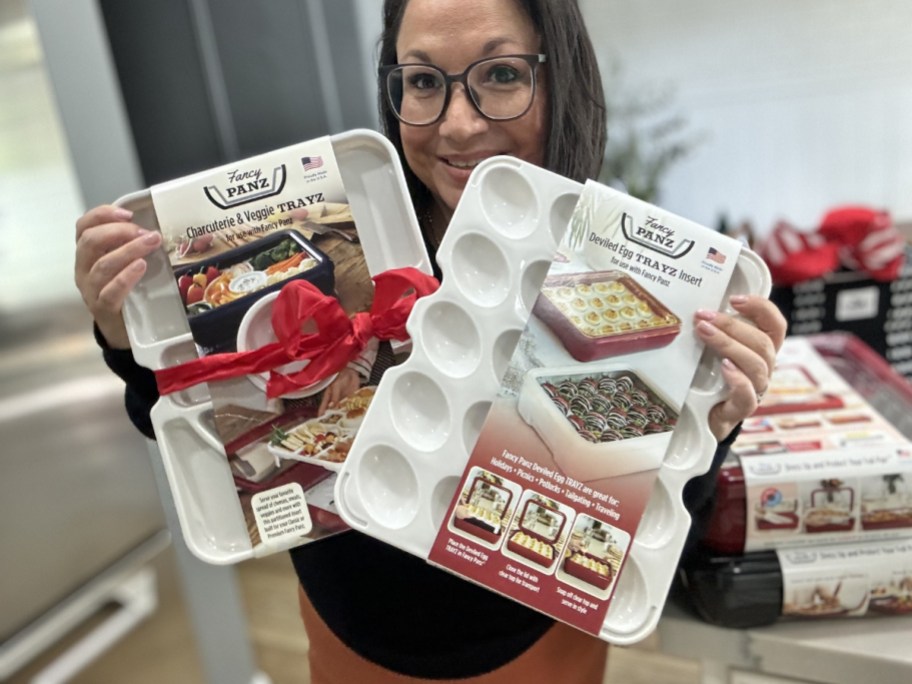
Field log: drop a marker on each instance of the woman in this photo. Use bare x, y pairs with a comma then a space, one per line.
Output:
527, 86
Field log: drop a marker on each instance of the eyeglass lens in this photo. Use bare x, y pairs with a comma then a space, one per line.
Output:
501, 88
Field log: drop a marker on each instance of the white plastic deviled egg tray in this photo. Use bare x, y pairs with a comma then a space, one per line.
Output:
416, 439
195, 462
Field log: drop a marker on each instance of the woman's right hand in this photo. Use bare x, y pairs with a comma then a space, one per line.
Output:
110, 260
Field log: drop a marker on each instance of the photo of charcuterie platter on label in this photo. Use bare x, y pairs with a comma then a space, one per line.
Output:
248, 316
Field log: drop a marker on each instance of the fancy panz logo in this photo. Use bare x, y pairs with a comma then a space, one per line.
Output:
656, 236
241, 187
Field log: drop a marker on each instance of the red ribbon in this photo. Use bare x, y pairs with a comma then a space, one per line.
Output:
338, 338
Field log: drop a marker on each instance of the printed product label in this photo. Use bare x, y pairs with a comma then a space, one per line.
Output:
817, 497
236, 236
816, 446
865, 578
566, 461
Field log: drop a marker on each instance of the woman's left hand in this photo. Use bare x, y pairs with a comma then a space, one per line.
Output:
748, 350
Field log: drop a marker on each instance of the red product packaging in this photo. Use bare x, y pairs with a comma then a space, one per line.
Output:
765, 496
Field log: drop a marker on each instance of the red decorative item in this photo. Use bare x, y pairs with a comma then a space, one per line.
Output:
868, 241
856, 237
794, 256
338, 339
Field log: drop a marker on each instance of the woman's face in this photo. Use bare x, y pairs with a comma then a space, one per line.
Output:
452, 34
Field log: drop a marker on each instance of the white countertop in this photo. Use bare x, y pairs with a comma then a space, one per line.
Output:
842, 651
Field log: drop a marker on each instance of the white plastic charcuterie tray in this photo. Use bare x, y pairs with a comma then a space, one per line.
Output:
194, 458
413, 446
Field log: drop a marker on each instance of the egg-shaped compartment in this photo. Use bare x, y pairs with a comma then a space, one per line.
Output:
632, 605
388, 486
533, 276
472, 422
441, 498
210, 515
598, 422
420, 411
448, 336
708, 375
687, 447
561, 211
508, 200
661, 520
751, 275
504, 345
479, 267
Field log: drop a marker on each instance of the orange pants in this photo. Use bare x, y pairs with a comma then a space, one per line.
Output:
563, 654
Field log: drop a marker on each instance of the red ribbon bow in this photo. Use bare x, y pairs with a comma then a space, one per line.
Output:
337, 340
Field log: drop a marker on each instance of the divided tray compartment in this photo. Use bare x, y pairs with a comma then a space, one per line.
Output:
599, 421
604, 313
213, 327
407, 460
197, 469
485, 521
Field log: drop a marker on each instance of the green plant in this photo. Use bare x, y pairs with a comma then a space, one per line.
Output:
646, 136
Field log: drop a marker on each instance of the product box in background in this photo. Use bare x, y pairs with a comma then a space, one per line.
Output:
246, 315
574, 440
862, 579
730, 588
880, 313
816, 463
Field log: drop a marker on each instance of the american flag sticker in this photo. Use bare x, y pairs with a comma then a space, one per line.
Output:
715, 255
311, 163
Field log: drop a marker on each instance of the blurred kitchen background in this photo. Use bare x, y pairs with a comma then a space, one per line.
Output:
724, 112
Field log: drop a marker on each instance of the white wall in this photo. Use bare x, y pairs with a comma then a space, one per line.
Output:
805, 103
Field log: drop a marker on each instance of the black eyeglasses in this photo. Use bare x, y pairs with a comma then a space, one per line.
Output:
501, 88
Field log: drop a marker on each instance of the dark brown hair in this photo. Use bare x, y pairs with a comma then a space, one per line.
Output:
576, 101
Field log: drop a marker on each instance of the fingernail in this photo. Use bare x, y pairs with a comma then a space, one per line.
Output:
737, 300
122, 214
706, 315
707, 328
729, 364
153, 238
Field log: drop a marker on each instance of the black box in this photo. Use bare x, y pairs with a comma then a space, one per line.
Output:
879, 313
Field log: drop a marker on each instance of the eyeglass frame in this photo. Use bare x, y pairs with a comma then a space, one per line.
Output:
533, 61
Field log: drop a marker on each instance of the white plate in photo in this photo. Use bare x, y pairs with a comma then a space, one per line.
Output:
256, 331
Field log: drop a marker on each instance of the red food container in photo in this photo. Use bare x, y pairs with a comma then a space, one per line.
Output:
478, 526
872, 377
604, 313
586, 574
887, 518
833, 518
549, 540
